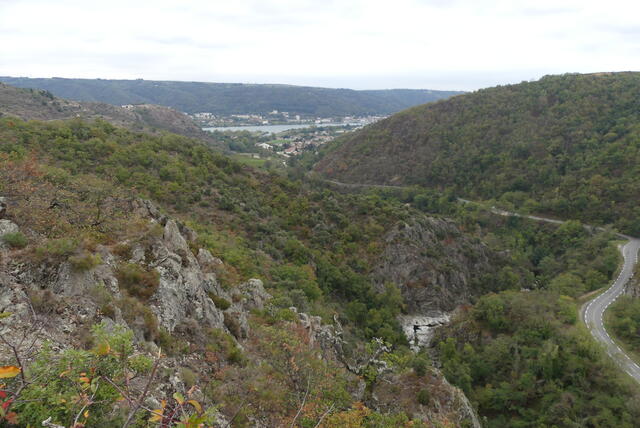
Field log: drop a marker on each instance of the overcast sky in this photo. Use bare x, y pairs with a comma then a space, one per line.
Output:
360, 44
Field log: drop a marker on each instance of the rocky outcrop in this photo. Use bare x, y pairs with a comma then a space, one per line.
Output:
183, 286
441, 404
433, 265
186, 286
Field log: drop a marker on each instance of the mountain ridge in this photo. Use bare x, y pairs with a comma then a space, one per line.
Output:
234, 98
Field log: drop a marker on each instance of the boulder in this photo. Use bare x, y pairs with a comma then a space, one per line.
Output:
206, 260
251, 295
7, 226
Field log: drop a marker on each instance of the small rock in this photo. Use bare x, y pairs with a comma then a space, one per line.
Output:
7, 226
3, 206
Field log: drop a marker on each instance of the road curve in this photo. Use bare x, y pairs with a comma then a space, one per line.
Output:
592, 312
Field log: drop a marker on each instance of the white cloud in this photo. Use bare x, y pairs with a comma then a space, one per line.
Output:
457, 44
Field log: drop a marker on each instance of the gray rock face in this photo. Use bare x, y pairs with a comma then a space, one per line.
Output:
185, 281
182, 292
206, 260
432, 264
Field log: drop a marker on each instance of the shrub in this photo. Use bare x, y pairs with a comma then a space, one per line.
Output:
219, 341
170, 344
138, 281
15, 240
423, 397
139, 317
85, 261
43, 301
220, 302
57, 248
124, 251
188, 376
420, 365
233, 325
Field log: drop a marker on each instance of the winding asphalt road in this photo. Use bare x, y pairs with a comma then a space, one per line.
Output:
592, 312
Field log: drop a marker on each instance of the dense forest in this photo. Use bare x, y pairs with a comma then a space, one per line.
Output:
234, 98
567, 145
524, 360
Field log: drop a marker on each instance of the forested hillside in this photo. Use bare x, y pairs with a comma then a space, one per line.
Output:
234, 98
77, 239
30, 104
86, 252
568, 145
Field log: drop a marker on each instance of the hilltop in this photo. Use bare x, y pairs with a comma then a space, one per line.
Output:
33, 104
566, 145
234, 98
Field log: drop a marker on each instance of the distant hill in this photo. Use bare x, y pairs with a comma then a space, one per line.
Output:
568, 145
234, 98
30, 104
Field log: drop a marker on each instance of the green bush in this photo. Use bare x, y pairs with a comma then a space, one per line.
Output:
188, 376
139, 317
57, 248
170, 344
15, 240
420, 365
85, 262
423, 397
220, 302
138, 281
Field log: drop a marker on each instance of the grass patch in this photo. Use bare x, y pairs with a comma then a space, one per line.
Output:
15, 240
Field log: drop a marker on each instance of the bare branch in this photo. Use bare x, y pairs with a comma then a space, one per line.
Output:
142, 397
304, 400
324, 415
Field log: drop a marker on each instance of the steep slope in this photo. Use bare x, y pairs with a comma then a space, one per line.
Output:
208, 273
29, 104
234, 98
567, 145
82, 253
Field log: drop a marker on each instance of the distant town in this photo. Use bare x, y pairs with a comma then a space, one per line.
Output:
280, 132
275, 117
